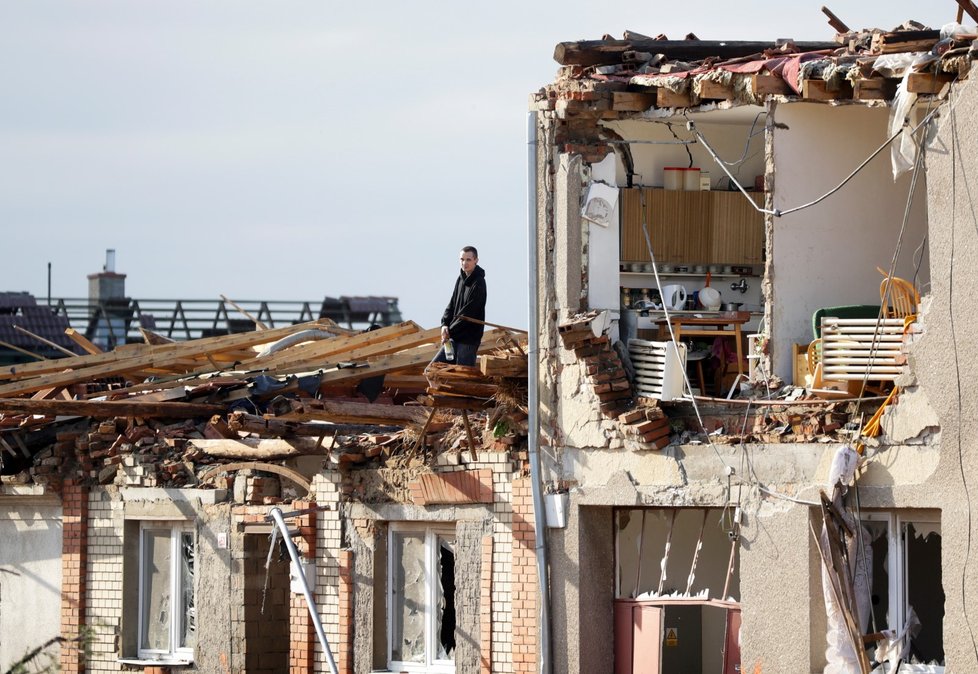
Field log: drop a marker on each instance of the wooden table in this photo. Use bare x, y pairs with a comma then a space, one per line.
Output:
684, 325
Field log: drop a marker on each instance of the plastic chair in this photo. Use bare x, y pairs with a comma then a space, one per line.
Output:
903, 297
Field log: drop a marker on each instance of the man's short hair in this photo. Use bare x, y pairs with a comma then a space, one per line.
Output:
471, 249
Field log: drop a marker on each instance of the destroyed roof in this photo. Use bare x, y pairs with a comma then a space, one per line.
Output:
172, 411
609, 78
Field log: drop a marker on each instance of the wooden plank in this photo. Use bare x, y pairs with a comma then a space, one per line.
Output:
928, 83
969, 7
666, 98
266, 449
82, 341
711, 90
835, 21
353, 412
108, 408
818, 90
770, 85
133, 354
8, 345
630, 101
874, 89
606, 52
346, 349
46, 342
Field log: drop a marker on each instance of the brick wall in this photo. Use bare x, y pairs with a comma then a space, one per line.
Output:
302, 633
524, 579
103, 609
326, 487
74, 556
344, 647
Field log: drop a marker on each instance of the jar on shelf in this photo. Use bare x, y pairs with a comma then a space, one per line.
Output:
626, 298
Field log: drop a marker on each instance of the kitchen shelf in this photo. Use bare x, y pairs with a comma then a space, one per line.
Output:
692, 274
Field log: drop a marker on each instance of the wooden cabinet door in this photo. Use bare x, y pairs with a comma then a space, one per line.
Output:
694, 232
633, 248
737, 229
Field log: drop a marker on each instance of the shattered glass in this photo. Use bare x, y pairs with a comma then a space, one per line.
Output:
445, 600
156, 600
188, 631
408, 597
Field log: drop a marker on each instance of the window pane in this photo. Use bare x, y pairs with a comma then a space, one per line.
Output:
407, 597
188, 627
445, 599
925, 590
155, 590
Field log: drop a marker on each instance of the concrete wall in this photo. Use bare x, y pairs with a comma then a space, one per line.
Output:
947, 370
30, 575
725, 130
827, 255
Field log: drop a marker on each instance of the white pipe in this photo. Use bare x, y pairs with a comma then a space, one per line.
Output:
276, 515
533, 374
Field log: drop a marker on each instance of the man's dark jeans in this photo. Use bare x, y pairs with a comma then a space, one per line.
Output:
464, 354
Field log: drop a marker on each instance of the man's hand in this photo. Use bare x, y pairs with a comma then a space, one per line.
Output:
444, 333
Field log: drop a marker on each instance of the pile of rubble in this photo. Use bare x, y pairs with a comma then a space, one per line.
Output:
166, 414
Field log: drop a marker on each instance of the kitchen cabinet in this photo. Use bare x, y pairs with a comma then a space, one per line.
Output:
691, 227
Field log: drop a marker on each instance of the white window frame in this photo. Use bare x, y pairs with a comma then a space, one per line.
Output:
896, 549
176, 653
431, 538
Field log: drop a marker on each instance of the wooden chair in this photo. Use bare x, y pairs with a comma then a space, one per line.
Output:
899, 297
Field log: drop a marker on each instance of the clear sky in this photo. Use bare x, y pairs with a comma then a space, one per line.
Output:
293, 149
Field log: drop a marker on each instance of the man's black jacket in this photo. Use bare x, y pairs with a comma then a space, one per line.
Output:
468, 299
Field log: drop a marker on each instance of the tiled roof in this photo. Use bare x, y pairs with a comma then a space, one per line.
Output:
617, 78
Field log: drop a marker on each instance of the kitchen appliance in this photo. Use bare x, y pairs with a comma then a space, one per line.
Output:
674, 297
710, 298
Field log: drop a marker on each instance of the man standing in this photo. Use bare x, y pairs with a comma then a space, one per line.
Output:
468, 301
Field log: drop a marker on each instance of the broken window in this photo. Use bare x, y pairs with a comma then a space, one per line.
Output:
167, 615
421, 599
903, 550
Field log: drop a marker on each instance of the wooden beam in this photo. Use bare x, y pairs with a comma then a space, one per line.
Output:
47, 342
267, 449
102, 409
769, 85
607, 52
289, 474
874, 89
928, 83
353, 413
630, 101
835, 21
141, 353
666, 98
818, 90
241, 310
710, 90
8, 345
82, 341
969, 7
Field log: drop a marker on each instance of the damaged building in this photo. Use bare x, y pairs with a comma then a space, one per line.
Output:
734, 438
781, 230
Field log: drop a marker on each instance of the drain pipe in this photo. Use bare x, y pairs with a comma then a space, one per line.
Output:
276, 514
533, 401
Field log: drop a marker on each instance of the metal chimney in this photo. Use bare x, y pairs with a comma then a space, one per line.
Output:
109, 260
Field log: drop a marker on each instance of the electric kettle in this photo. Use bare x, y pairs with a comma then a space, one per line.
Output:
674, 297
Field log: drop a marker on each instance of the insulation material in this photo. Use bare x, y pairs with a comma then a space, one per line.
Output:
840, 655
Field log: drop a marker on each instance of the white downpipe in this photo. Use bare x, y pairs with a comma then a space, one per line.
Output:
276, 515
533, 439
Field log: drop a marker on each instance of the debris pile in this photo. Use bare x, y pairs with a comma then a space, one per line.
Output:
164, 414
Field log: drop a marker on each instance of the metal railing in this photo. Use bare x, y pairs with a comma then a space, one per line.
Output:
111, 322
